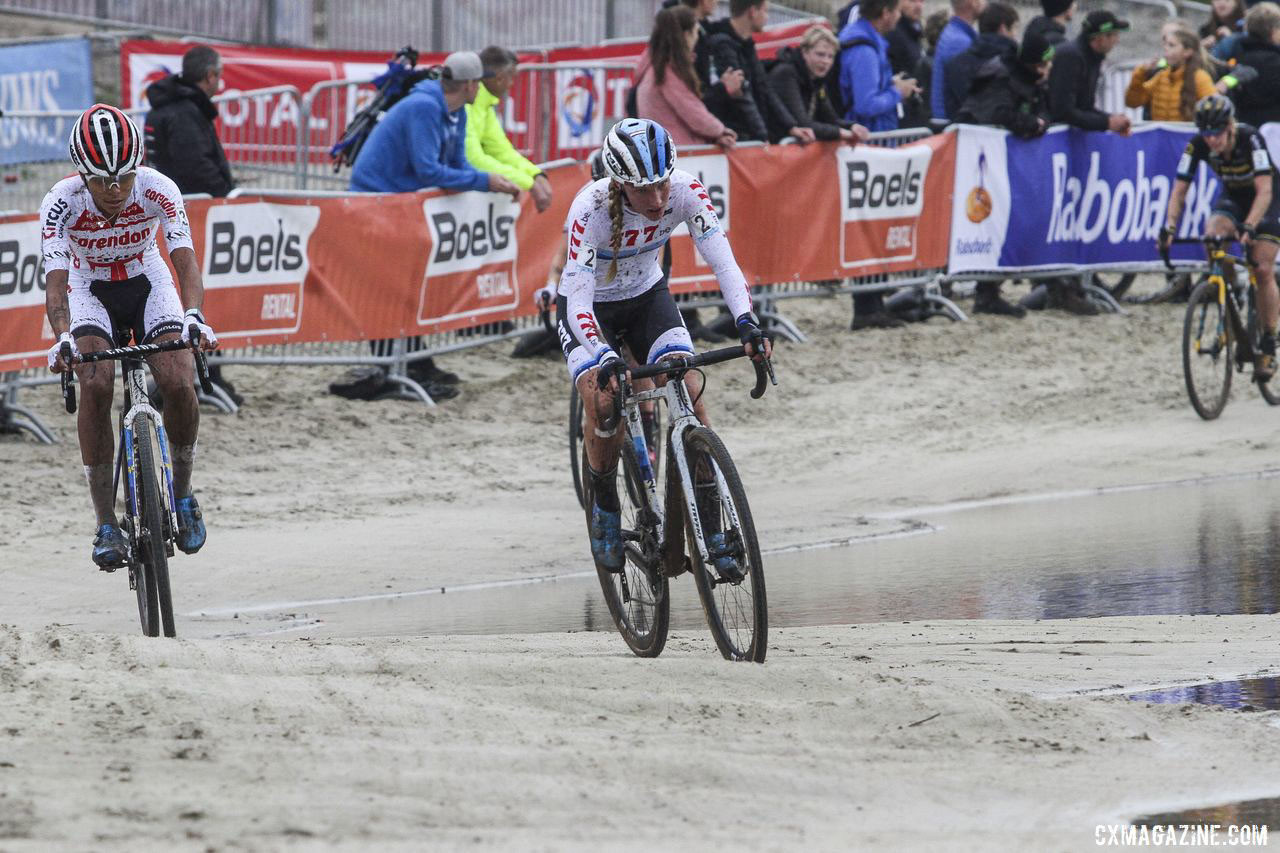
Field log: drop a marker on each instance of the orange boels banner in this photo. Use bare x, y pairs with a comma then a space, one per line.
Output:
289, 269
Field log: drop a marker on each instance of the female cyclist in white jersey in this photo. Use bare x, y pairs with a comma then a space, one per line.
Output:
106, 282
612, 291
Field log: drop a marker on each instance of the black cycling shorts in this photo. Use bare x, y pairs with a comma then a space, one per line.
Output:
649, 325
1268, 228
118, 311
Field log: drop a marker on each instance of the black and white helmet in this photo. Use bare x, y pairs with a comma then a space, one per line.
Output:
638, 152
105, 143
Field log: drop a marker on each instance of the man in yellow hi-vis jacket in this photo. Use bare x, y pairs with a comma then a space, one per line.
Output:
488, 149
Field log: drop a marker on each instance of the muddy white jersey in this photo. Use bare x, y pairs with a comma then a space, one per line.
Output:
75, 236
585, 279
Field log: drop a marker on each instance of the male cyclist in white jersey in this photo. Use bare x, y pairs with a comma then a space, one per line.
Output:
105, 282
612, 291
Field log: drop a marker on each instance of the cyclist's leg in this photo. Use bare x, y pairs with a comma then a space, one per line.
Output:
1264, 257
160, 320
92, 327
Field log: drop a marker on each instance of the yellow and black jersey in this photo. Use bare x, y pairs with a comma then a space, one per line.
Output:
1237, 168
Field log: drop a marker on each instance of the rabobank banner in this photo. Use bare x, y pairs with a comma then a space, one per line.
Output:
45, 76
1070, 198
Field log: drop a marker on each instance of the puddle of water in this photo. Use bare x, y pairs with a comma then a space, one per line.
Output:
1255, 813
1249, 694
1204, 548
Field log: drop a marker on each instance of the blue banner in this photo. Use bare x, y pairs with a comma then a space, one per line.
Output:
45, 76
1071, 198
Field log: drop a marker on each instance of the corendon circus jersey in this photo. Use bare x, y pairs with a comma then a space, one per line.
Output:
116, 278
584, 281
75, 236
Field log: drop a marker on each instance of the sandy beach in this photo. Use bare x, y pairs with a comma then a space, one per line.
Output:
962, 735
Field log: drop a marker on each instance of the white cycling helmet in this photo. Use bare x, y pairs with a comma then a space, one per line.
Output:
638, 152
105, 143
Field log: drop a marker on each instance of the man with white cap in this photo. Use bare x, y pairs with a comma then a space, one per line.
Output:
421, 141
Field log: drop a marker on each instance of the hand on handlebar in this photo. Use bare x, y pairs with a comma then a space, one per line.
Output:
609, 374
63, 353
196, 330
754, 341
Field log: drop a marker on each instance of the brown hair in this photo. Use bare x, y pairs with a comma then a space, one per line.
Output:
1196, 62
615, 219
668, 48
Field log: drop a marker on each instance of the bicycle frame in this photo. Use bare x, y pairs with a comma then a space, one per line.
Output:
138, 405
1229, 296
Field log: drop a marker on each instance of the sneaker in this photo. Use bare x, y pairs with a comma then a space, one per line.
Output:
998, 305
1068, 297
879, 320
191, 532
606, 538
110, 550
425, 371
722, 557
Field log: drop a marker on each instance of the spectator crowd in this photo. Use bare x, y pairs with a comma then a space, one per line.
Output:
884, 66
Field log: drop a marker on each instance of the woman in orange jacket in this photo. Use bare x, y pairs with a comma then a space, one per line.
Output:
1171, 85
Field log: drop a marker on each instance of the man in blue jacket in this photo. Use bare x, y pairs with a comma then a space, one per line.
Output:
956, 37
421, 142
866, 79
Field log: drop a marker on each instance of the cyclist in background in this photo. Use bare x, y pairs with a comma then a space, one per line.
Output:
1248, 207
612, 291
106, 282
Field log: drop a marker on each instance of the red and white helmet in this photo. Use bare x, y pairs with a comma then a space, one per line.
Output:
105, 143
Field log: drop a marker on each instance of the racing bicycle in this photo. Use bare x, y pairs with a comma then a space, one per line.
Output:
1221, 332
700, 501
150, 524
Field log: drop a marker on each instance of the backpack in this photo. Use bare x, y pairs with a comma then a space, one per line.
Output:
392, 85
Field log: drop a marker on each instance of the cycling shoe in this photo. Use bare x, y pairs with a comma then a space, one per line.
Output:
606, 538
191, 532
722, 557
110, 550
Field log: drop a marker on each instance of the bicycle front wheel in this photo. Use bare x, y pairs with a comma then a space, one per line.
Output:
732, 587
1266, 387
638, 595
1207, 360
152, 538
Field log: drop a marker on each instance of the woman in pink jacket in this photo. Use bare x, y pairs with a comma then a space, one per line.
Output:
667, 89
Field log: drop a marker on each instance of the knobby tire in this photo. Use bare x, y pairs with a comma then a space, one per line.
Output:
737, 613
1207, 370
577, 447
152, 539
645, 620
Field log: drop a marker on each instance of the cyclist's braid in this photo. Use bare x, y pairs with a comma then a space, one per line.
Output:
615, 218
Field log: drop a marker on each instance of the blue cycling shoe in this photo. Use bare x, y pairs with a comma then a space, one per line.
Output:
191, 532
606, 538
110, 550
722, 557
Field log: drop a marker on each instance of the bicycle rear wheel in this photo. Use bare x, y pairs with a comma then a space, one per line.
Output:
152, 538
638, 595
732, 588
1207, 351
1266, 387
576, 447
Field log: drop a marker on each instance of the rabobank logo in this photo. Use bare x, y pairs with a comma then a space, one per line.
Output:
978, 203
882, 183
248, 245
469, 231
1130, 209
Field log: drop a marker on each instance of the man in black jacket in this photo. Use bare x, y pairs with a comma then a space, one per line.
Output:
1010, 92
1258, 102
997, 24
756, 114
1073, 82
906, 46
182, 141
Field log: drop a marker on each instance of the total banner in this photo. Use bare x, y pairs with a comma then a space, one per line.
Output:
1069, 198
294, 269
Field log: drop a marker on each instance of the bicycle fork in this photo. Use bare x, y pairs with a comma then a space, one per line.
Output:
136, 390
